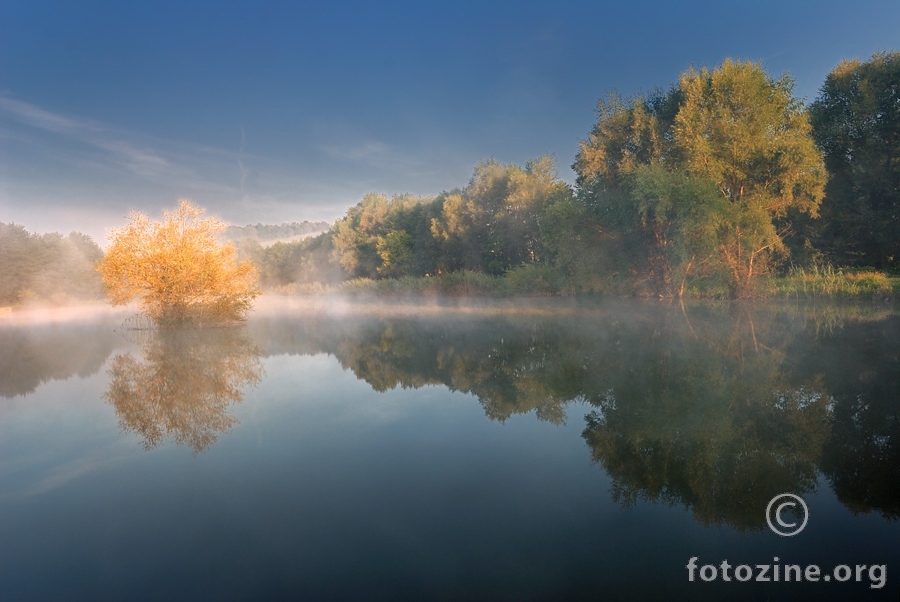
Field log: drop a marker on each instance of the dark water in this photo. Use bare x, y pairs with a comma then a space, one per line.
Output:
554, 451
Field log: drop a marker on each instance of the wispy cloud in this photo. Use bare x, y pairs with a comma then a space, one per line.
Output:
64, 172
40, 118
138, 155
140, 161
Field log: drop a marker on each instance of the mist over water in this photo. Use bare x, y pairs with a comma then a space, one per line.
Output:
333, 448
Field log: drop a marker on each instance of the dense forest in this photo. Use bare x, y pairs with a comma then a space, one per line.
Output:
722, 185
707, 188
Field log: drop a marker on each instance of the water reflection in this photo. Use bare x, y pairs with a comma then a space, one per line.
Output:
708, 417
714, 408
32, 356
184, 385
861, 370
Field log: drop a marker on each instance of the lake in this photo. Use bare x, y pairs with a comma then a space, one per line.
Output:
329, 450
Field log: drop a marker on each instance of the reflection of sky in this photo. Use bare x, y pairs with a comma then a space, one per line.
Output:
55, 437
288, 112
329, 489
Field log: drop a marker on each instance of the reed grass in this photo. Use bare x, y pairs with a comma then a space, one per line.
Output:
830, 282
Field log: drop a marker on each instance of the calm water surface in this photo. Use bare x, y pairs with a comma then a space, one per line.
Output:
503, 452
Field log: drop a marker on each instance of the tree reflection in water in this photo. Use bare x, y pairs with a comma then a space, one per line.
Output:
31, 355
184, 385
708, 418
715, 408
860, 367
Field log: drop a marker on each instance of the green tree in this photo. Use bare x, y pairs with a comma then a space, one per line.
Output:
628, 134
494, 224
395, 251
633, 208
577, 245
462, 230
856, 123
311, 259
733, 127
357, 234
681, 218
744, 131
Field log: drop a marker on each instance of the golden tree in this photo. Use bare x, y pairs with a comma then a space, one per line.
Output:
177, 269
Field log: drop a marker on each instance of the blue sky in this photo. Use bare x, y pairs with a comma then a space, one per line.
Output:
272, 112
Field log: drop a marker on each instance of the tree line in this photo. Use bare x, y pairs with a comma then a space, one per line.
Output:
266, 232
701, 188
47, 266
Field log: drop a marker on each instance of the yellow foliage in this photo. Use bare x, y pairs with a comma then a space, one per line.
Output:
177, 269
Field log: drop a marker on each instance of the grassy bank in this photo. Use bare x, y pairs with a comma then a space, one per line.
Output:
832, 283
536, 281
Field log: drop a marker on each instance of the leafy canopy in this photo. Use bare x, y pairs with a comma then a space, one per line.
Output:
734, 130
856, 123
177, 269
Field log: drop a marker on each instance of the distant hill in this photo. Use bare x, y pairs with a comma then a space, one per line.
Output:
267, 233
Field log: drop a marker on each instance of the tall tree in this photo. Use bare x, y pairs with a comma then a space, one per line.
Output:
632, 214
856, 123
356, 234
733, 127
681, 217
744, 130
395, 251
628, 134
